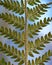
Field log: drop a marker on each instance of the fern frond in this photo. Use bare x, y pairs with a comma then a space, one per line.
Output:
3, 62
13, 35
34, 29
12, 52
44, 58
43, 40
32, 49
37, 11
21, 62
18, 22
49, 3
22, 8
20, 37
40, 60
39, 43
13, 5
33, 2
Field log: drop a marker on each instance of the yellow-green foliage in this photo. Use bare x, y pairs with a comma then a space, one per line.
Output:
3, 62
18, 37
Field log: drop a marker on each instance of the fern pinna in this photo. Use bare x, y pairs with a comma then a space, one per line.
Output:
26, 31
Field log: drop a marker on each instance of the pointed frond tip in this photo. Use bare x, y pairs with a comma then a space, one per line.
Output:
13, 35
36, 2
49, 3
37, 11
13, 5
40, 60
3, 62
18, 22
12, 52
33, 2
34, 29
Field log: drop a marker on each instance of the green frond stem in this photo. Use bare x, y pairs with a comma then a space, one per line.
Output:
37, 11
3, 62
13, 5
34, 29
12, 52
39, 43
13, 35
40, 60
26, 34
18, 22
